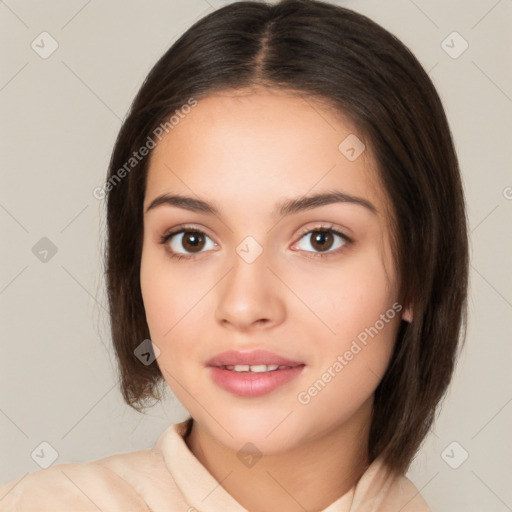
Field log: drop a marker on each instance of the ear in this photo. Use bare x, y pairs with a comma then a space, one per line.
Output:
407, 313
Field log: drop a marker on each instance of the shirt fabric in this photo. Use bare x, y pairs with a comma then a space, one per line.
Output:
169, 478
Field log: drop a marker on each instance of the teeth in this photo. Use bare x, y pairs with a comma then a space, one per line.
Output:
255, 368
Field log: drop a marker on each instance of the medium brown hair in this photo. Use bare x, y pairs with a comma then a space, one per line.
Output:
368, 75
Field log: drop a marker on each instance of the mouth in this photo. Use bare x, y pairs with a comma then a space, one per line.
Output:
252, 374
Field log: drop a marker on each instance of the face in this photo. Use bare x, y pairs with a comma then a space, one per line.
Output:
311, 281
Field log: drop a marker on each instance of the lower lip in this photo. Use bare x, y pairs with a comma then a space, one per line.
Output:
253, 384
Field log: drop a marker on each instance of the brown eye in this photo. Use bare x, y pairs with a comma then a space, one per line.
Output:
187, 242
192, 241
321, 240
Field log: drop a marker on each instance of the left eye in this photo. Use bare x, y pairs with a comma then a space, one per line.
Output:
324, 240
193, 241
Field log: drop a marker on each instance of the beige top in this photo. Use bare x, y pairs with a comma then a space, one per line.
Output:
170, 478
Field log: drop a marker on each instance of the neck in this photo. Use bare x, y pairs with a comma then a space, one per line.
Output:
310, 476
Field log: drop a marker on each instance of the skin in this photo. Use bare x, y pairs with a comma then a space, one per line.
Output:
245, 151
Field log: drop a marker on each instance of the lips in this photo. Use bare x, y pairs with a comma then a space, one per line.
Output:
252, 385
252, 358
252, 373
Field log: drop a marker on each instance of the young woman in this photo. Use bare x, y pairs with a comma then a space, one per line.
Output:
287, 251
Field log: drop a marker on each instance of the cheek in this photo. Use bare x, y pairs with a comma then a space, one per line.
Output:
356, 317
168, 294
173, 303
348, 297
157, 303
359, 305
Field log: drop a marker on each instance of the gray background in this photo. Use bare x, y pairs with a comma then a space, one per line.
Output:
59, 119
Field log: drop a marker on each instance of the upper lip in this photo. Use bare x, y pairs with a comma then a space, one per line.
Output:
254, 357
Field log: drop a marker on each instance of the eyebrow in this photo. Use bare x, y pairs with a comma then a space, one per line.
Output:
285, 208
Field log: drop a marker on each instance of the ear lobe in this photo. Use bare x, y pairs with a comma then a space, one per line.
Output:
407, 314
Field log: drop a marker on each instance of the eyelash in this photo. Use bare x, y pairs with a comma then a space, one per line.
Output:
322, 229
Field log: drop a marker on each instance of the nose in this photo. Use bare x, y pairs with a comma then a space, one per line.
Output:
250, 296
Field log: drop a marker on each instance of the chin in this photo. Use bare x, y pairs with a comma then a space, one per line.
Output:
270, 431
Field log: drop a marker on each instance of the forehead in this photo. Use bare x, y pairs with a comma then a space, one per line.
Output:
251, 146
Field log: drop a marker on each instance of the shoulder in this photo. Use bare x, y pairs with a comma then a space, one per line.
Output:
104, 484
